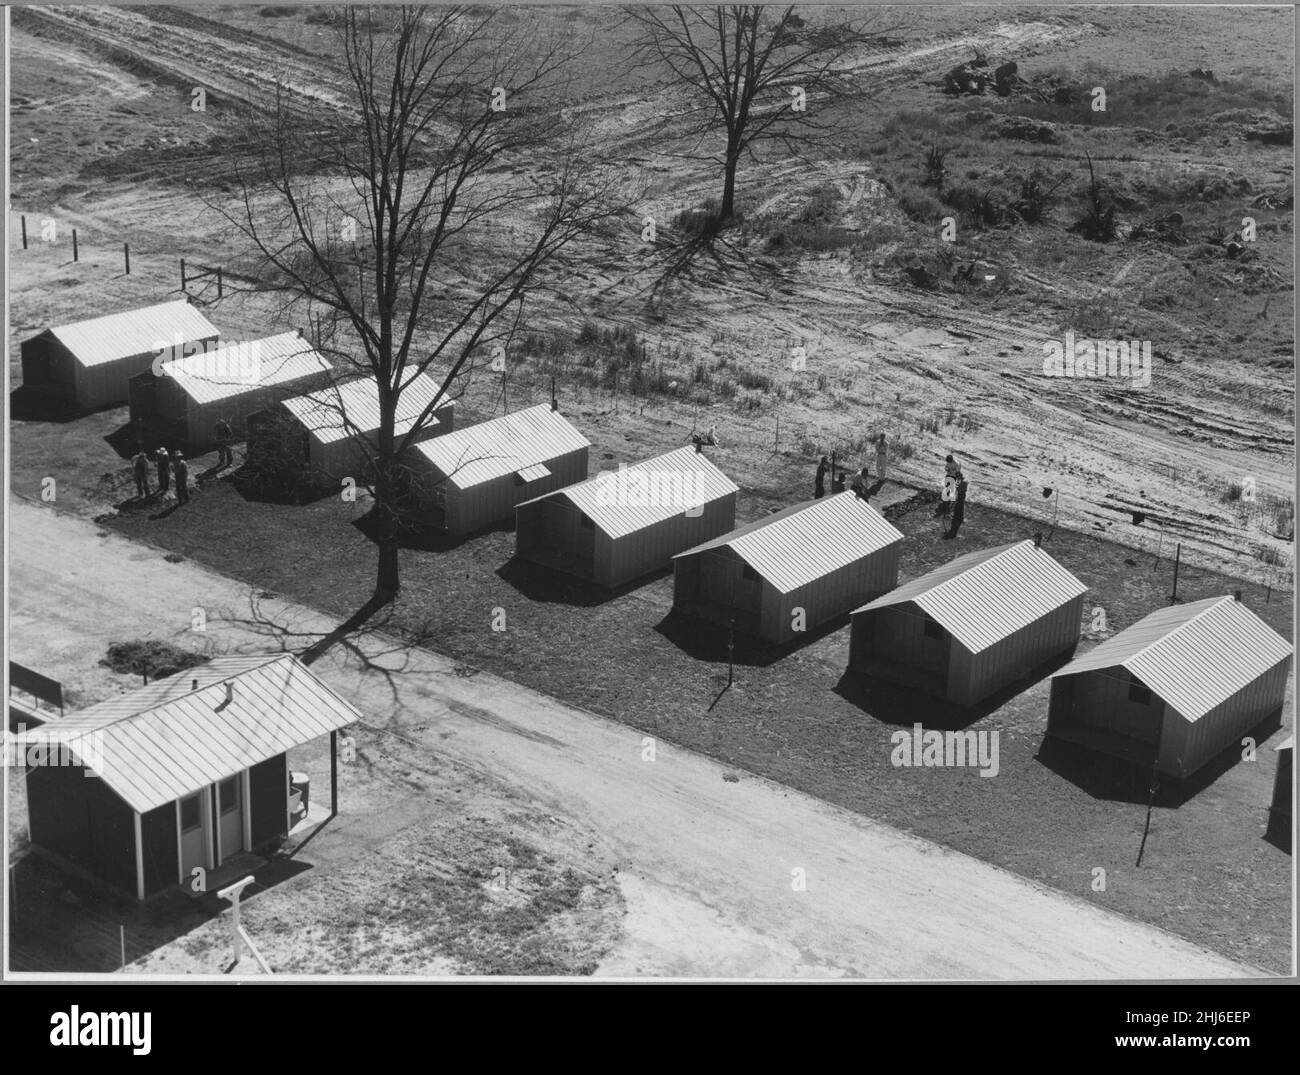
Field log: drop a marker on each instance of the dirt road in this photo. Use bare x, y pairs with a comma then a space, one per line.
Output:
709, 859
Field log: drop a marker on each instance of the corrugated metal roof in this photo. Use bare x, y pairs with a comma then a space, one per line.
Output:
807, 541
533, 473
986, 596
632, 498
321, 413
1194, 656
133, 332
500, 446
236, 368
165, 741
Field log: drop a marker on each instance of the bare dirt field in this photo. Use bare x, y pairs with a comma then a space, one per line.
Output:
104, 141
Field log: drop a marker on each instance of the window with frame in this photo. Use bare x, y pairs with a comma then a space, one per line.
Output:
228, 794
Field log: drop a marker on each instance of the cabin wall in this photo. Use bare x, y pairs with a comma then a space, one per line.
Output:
78, 818
836, 593
652, 548
711, 585
1188, 745
268, 788
481, 505
161, 861
976, 676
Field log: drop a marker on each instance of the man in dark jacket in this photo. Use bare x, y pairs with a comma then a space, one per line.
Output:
958, 510
164, 471
819, 483
182, 472
140, 467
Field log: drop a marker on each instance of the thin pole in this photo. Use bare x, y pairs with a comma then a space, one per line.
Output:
24, 220
1178, 555
218, 282
126, 256
334, 773
183, 281
75, 256
122, 929
731, 650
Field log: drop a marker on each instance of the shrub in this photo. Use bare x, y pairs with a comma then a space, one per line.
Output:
151, 657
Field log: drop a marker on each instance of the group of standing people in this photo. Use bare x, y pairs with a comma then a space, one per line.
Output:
861, 481
952, 500
170, 465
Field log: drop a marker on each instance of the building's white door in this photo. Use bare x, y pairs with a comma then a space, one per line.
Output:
195, 844
231, 816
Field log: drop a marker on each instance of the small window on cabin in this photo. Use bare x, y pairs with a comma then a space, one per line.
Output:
229, 795
1139, 693
190, 814
933, 629
748, 573
584, 520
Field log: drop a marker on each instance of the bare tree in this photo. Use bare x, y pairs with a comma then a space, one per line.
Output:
414, 214
758, 73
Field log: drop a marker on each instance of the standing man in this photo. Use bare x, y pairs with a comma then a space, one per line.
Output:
882, 458
819, 483
224, 435
951, 476
958, 510
182, 478
140, 466
164, 472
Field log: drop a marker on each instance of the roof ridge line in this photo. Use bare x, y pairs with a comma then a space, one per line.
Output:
214, 683
1165, 637
964, 571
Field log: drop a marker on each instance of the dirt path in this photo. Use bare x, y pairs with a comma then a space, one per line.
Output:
706, 855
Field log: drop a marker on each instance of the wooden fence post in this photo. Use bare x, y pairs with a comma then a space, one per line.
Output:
75, 256
126, 255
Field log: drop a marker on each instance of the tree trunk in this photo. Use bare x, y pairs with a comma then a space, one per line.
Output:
729, 187
387, 582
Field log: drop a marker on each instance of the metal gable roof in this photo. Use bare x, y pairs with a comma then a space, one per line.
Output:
501, 446
133, 332
986, 596
167, 740
1194, 656
807, 541
236, 368
322, 412
665, 486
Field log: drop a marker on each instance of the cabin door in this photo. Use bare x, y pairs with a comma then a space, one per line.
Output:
230, 818
195, 842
